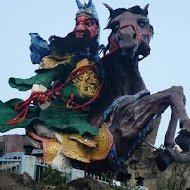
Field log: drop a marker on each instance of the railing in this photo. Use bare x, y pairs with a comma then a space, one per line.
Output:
42, 170
20, 163
99, 178
11, 163
106, 181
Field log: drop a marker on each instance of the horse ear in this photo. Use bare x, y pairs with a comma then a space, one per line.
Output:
145, 9
109, 8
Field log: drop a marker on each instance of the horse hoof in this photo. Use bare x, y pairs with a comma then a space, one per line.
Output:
163, 160
183, 140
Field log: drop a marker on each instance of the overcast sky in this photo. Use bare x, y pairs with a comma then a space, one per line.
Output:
167, 65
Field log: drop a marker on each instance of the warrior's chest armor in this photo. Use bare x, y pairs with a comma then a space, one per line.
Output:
87, 83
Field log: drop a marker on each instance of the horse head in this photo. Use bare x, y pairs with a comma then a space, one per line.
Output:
131, 31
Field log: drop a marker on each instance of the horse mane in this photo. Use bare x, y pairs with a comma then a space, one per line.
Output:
135, 10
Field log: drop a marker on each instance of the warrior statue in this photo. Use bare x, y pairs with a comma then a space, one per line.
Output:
64, 91
94, 113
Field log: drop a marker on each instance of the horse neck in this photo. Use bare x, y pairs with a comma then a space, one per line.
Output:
124, 77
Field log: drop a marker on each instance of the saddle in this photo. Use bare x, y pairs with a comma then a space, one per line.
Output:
87, 149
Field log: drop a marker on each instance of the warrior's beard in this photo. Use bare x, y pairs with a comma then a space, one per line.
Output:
70, 44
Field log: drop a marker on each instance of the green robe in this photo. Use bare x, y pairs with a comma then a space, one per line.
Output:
61, 119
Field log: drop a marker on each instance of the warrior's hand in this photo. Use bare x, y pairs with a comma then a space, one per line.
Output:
39, 95
39, 98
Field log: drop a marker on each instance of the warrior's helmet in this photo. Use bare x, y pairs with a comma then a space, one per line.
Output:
89, 10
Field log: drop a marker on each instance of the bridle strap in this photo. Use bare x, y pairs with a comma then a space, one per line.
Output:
139, 34
139, 37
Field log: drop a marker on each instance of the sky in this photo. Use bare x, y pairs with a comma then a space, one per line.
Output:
166, 66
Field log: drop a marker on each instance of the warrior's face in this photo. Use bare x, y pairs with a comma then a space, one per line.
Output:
84, 23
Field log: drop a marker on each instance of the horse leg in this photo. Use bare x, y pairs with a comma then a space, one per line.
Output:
172, 152
132, 117
176, 98
164, 157
175, 154
178, 101
170, 133
183, 139
169, 143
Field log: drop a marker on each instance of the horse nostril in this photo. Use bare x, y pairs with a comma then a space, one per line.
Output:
134, 36
119, 38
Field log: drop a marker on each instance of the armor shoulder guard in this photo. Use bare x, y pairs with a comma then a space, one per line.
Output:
49, 62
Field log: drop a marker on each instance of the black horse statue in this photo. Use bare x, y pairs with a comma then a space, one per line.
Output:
134, 110
128, 108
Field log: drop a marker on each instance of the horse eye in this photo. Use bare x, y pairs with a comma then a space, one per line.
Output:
115, 28
141, 24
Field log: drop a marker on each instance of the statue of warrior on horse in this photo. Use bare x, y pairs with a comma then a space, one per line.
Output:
93, 112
